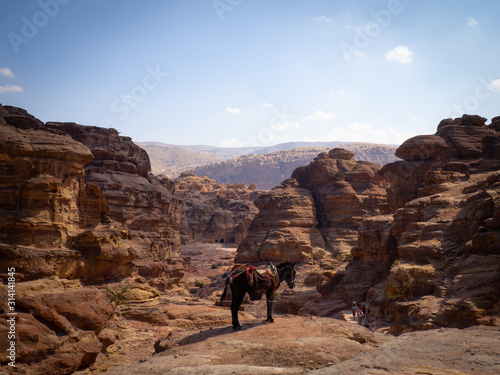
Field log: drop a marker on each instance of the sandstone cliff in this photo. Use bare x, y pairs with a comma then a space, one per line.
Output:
314, 216
49, 212
434, 259
53, 227
141, 202
214, 212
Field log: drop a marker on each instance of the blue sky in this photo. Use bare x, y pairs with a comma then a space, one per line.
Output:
252, 72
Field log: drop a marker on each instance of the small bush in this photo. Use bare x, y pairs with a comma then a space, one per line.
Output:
198, 284
400, 286
117, 296
340, 175
219, 264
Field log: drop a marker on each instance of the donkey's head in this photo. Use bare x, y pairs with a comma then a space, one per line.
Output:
287, 272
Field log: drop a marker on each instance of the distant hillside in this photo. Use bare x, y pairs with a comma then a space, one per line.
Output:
171, 161
268, 170
226, 153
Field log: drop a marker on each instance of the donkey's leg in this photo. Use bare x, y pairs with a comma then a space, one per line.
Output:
235, 307
270, 302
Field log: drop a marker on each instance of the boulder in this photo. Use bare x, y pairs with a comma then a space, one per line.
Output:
422, 147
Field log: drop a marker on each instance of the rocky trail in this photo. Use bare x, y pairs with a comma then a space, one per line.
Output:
182, 333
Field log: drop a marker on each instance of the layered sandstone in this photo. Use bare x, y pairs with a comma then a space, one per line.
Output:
434, 260
315, 215
214, 212
48, 211
141, 202
54, 228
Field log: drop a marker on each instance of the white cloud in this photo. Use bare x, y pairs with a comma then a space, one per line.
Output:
233, 111
10, 88
471, 21
495, 85
267, 105
6, 72
233, 142
357, 132
400, 54
320, 116
415, 119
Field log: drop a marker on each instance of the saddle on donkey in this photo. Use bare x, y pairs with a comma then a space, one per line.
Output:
247, 279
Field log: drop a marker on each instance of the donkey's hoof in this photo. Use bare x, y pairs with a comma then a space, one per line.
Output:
238, 328
270, 320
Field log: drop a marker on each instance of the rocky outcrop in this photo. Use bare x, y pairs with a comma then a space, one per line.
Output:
57, 326
285, 228
142, 203
315, 215
59, 230
214, 212
434, 260
47, 209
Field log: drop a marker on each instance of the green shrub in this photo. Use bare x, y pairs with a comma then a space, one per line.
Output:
220, 264
117, 296
340, 175
400, 286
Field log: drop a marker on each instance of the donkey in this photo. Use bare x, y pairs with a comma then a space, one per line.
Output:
247, 279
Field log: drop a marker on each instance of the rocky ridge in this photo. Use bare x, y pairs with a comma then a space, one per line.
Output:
268, 170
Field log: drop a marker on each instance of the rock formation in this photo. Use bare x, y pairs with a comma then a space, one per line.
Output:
214, 212
433, 260
141, 202
53, 227
48, 212
315, 215
78, 206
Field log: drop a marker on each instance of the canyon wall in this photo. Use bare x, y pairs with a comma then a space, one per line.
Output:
433, 260
214, 212
142, 203
75, 212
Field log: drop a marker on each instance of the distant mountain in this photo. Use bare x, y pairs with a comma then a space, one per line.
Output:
268, 170
171, 161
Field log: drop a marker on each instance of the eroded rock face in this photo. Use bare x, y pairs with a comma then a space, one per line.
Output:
56, 332
214, 212
285, 228
46, 205
315, 215
141, 202
437, 254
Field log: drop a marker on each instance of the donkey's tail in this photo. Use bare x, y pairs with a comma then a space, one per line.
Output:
229, 279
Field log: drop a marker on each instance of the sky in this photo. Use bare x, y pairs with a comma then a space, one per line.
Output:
237, 73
